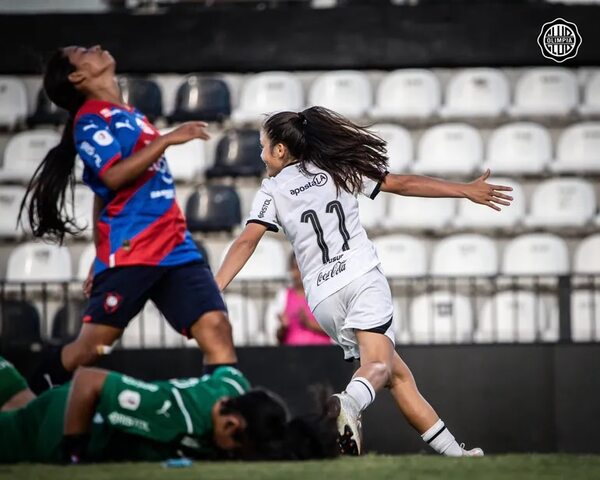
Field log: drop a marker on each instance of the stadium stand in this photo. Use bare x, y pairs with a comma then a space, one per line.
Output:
200, 98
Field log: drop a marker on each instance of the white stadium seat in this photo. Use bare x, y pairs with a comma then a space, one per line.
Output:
449, 149
10, 202
518, 316
150, 329
87, 257
13, 101
465, 255
477, 92
585, 316
410, 93
536, 254
39, 262
591, 95
268, 262
473, 215
441, 317
545, 91
399, 145
24, 152
401, 256
245, 320
266, 93
187, 160
372, 212
562, 202
419, 213
84, 209
578, 149
519, 148
587, 256
347, 92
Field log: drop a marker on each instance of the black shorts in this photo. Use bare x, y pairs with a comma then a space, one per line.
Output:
183, 293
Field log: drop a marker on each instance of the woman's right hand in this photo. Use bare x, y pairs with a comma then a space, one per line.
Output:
186, 132
88, 282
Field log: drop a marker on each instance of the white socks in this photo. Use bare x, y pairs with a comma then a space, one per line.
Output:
361, 391
441, 440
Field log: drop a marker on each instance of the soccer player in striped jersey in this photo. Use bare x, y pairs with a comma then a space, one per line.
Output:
318, 162
143, 248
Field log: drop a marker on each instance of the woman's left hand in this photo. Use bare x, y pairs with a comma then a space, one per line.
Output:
479, 191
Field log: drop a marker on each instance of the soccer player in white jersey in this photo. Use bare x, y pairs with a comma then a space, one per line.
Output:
318, 162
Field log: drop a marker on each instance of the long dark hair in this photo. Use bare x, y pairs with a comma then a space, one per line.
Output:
47, 190
331, 142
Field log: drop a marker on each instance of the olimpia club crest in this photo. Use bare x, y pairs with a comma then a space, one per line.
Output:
559, 40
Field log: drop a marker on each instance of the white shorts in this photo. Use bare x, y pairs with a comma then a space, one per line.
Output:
363, 304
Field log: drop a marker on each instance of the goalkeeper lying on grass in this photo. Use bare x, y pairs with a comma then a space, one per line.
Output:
106, 416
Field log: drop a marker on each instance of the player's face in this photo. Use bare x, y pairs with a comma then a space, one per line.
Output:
225, 426
89, 63
274, 156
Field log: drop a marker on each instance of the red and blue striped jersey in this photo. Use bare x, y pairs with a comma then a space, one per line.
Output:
141, 223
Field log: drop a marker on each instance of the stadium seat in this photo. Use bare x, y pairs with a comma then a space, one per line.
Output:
19, 325
150, 329
84, 210
201, 98
477, 92
142, 93
346, 92
410, 93
518, 149
585, 316
473, 215
267, 93
591, 95
46, 112
518, 316
400, 323
372, 212
578, 149
39, 262
245, 320
10, 202
87, 257
587, 256
545, 91
268, 262
399, 145
465, 255
213, 208
562, 202
536, 254
13, 101
419, 213
449, 149
238, 155
401, 256
441, 317
66, 323
24, 152
187, 160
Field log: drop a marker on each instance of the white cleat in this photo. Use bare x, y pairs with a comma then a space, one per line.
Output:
347, 414
474, 452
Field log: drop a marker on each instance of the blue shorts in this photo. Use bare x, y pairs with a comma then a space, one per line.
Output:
183, 293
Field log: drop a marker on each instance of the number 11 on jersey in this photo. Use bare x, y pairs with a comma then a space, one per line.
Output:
311, 216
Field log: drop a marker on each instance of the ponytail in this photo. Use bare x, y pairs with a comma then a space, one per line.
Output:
331, 142
45, 198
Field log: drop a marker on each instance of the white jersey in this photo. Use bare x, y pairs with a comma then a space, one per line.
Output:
330, 244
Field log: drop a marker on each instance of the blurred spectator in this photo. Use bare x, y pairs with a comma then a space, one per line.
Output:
298, 326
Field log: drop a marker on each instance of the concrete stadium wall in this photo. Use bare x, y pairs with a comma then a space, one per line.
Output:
503, 398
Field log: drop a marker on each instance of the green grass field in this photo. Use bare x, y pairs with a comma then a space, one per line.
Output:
370, 467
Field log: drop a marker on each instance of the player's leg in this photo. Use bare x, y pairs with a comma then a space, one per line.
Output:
421, 415
190, 300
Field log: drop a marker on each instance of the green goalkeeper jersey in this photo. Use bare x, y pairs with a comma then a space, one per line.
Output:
134, 420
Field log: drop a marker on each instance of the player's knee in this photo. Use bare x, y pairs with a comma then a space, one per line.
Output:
216, 327
381, 371
81, 354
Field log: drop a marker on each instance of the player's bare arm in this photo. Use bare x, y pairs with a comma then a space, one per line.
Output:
239, 253
478, 191
126, 171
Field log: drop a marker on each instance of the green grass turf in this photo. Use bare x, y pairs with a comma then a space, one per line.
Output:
509, 467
